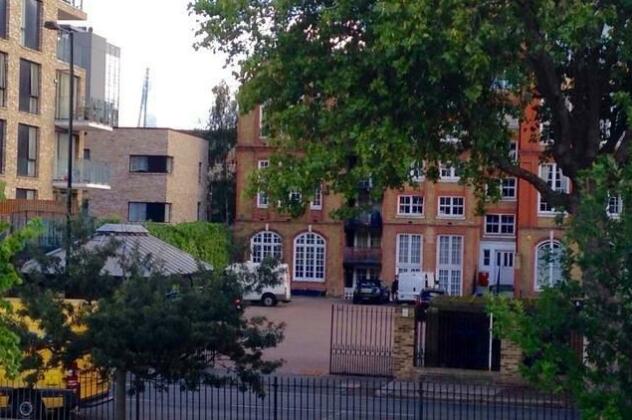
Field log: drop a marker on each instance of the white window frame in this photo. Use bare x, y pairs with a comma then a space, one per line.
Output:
261, 117
417, 172
513, 151
618, 206
451, 267
405, 202
451, 215
513, 197
500, 223
448, 173
407, 266
262, 197
317, 257
270, 244
551, 265
317, 200
557, 177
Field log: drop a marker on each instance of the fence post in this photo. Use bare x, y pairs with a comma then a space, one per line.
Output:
404, 343
275, 387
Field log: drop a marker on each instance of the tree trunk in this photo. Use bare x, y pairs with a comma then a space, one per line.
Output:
120, 394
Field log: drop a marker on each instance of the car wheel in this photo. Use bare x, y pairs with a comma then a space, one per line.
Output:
268, 300
26, 405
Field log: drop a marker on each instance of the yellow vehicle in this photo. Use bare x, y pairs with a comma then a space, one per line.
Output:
58, 390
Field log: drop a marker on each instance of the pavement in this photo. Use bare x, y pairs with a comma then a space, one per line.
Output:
305, 348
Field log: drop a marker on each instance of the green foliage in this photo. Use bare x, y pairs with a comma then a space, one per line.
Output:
369, 89
208, 242
596, 305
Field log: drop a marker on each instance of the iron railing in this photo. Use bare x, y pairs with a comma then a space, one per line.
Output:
94, 110
354, 255
84, 172
294, 398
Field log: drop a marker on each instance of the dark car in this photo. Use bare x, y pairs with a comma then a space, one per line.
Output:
370, 291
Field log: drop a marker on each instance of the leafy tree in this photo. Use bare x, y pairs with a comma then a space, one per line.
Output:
154, 327
11, 244
369, 89
221, 133
598, 308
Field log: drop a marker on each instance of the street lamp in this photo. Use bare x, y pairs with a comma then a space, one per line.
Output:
67, 29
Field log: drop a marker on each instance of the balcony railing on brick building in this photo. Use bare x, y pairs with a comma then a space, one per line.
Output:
85, 174
369, 219
353, 255
78, 4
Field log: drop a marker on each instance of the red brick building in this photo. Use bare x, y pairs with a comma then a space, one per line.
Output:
427, 227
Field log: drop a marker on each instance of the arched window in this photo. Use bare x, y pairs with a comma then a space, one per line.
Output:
309, 257
548, 264
265, 244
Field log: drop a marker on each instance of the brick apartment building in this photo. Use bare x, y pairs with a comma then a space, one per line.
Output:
35, 104
427, 227
157, 174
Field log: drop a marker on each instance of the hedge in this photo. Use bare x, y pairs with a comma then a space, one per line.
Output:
209, 242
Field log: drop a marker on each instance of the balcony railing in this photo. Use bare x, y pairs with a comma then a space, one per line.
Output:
369, 219
353, 255
85, 174
77, 4
94, 111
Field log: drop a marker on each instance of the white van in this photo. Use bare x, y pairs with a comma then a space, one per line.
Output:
270, 295
410, 285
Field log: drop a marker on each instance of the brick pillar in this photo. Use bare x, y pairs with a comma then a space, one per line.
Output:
404, 341
510, 358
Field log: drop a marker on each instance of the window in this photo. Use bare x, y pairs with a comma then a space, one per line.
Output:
309, 257
62, 105
451, 207
295, 197
29, 86
500, 224
199, 172
199, 211
28, 139
145, 212
31, 22
266, 245
3, 125
548, 263
449, 173
416, 172
3, 18
487, 257
264, 123
556, 180
409, 253
151, 164
23, 194
86, 154
508, 190
615, 206
262, 196
450, 263
317, 201
3, 79
411, 205
513, 151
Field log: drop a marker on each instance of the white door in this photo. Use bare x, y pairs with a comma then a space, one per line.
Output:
409, 253
450, 263
498, 261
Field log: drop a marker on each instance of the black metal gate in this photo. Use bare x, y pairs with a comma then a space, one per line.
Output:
455, 339
361, 340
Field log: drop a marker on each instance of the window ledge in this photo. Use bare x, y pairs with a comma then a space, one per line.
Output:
410, 216
451, 217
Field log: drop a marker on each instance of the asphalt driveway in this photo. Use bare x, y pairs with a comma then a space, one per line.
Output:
307, 334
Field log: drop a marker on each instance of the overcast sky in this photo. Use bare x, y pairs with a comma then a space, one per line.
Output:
159, 34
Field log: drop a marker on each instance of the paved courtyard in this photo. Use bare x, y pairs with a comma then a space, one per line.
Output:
307, 334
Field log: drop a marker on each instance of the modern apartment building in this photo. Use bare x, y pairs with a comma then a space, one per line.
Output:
426, 227
35, 104
157, 174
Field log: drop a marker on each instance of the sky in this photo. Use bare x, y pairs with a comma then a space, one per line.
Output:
159, 34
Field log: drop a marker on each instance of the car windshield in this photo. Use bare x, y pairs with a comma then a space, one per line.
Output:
369, 283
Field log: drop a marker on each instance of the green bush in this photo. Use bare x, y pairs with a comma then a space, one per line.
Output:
209, 242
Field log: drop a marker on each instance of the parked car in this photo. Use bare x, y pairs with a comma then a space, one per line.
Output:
425, 297
269, 295
371, 291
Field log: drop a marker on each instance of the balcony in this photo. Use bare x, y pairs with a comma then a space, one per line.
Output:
371, 219
365, 256
94, 115
71, 10
86, 174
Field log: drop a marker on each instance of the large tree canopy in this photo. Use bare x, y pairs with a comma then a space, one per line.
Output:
369, 88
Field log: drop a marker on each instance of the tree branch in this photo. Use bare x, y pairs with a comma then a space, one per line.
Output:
556, 199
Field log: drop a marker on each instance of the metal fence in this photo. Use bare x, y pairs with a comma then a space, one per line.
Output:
362, 340
311, 398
